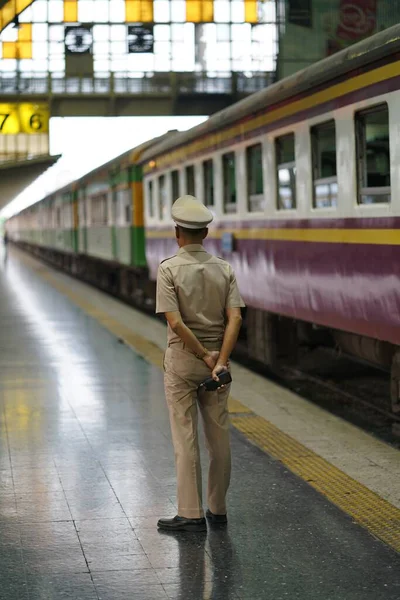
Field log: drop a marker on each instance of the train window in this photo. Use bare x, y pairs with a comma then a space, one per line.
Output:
372, 129
229, 179
208, 181
190, 187
162, 197
116, 205
150, 198
82, 208
66, 215
128, 213
176, 188
285, 172
122, 207
323, 148
99, 210
255, 183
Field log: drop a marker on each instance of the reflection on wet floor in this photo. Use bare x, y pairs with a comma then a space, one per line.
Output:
3, 255
87, 468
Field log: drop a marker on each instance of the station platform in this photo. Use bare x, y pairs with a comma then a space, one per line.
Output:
87, 468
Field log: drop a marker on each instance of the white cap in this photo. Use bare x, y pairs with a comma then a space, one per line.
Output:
189, 212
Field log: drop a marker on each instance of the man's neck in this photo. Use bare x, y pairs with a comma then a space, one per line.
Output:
187, 242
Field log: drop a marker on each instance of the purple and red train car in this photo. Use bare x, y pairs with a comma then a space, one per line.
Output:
304, 182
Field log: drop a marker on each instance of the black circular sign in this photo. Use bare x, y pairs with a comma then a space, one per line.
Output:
78, 39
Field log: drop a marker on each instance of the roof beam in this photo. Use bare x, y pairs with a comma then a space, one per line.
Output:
16, 176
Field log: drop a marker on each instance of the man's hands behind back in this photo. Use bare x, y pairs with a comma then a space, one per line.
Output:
218, 369
211, 359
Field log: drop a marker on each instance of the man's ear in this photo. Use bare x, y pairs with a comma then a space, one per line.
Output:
205, 233
177, 233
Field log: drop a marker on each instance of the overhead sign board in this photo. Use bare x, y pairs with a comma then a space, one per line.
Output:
24, 117
140, 39
78, 39
300, 12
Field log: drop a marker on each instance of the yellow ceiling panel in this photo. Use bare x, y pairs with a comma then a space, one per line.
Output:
11, 9
22, 48
199, 11
139, 11
71, 11
251, 11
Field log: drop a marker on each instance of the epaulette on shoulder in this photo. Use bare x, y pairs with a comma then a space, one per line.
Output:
225, 262
165, 259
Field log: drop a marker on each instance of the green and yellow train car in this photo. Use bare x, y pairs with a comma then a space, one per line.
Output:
94, 227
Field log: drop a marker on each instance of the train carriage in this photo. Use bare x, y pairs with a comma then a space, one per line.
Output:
304, 182
303, 179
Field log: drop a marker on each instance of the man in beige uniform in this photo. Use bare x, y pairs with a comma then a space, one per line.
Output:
199, 295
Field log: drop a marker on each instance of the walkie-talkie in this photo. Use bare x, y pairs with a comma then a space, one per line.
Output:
210, 384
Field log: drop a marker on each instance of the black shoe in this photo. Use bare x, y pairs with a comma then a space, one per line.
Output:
182, 524
216, 519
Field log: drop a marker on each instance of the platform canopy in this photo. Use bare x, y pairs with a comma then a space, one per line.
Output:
10, 9
17, 175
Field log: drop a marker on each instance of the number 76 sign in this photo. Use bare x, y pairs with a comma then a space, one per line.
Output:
24, 118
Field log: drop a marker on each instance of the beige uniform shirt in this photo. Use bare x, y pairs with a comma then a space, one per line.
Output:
200, 286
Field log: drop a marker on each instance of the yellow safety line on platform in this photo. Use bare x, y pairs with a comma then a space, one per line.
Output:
367, 508
378, 516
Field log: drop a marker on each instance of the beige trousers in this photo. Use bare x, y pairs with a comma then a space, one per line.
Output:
182, 374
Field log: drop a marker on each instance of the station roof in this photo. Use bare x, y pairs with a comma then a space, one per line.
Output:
15, 176
9, 9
